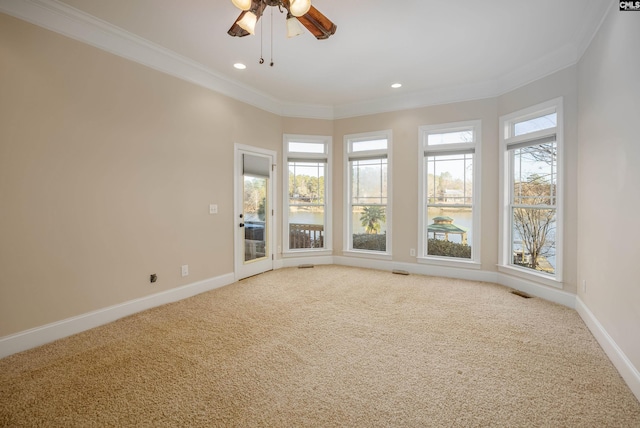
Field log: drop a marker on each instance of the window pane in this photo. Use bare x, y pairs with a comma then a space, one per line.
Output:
306, 183
369, 181
449, 232
534, 236
306, 227
535, 175
306, 204
369, 200
361, 146
535, 124
450, 138
369, 227
306, 147
449, 179
254, 218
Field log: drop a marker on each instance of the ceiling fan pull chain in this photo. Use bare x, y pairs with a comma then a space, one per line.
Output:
271, 38
261, 33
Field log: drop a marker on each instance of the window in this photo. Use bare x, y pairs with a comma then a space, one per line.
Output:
307, 213
449, 193
368, 202
531, 191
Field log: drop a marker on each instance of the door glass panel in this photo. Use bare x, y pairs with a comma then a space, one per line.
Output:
255, 218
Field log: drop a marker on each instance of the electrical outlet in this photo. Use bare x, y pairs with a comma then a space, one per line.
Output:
279, 249
584, 285
185, 270
412, 252
213, 208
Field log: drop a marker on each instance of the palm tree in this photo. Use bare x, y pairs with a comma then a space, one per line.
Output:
371, 218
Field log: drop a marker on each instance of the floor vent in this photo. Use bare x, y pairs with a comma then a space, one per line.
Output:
521, 294
305, 266
400, 272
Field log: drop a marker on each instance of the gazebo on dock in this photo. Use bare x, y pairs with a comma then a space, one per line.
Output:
443, 226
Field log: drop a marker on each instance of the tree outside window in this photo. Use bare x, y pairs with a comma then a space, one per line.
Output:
531, 141
533, 206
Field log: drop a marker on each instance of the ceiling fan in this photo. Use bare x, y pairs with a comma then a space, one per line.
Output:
298, 12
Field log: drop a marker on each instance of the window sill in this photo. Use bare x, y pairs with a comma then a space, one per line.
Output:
448, 262
531, 276
367, 254
307, 253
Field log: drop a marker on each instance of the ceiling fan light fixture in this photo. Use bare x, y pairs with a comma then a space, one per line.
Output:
308, 17
294, 27
299, 7
248, 22
242, 4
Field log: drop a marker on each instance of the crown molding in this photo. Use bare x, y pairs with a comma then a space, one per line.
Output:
68, 21
595, 19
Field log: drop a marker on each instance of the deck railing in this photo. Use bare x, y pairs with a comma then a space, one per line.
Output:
306, 235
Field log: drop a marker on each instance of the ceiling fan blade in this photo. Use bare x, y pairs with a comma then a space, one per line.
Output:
236, 30
318, 24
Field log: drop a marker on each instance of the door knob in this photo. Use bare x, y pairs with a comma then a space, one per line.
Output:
241, 224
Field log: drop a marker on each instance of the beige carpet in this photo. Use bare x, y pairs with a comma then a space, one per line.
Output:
328, 346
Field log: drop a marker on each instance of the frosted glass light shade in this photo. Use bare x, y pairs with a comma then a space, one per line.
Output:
294, 27
299, 7
242, 4
248, 22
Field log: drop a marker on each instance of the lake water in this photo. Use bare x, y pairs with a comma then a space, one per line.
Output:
460, 218
463, 219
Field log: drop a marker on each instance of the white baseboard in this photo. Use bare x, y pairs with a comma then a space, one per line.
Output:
57, 330
50, 332
306, 260
544, 292
419, 269
627, 370
530, 287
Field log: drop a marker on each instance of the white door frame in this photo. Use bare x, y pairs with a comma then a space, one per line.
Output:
242, 270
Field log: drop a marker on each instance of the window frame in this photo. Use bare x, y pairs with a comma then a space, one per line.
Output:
311, 157
367, 154
445, 149
507, 143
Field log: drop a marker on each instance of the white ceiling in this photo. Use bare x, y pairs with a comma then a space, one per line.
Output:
439, 50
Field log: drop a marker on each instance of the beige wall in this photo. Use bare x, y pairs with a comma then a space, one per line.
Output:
307, 126
609, 180
107, 169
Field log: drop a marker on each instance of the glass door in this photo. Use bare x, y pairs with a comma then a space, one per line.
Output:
254, 214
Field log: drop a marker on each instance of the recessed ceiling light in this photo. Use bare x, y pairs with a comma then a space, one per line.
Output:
239, 66
396, 85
